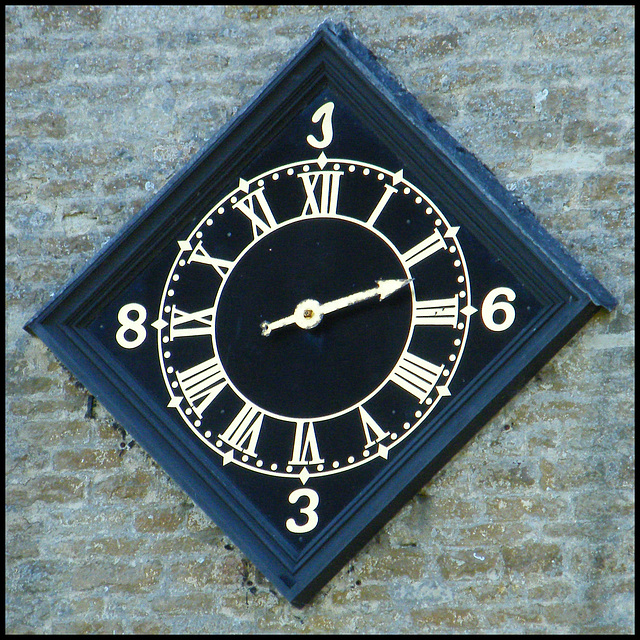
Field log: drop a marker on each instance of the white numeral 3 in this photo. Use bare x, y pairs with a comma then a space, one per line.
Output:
309, 511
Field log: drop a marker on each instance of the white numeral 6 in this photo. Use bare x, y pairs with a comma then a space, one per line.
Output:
490, 306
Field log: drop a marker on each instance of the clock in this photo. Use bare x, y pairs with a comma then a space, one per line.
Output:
314, 317
318, 312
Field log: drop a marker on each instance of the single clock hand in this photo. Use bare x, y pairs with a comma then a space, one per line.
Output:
309, 313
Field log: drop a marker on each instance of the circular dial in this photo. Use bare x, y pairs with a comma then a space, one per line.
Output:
313, 318
300, 265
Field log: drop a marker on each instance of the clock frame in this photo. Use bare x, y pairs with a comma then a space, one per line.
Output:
83, 322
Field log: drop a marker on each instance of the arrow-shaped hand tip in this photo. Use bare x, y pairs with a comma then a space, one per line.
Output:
387, 287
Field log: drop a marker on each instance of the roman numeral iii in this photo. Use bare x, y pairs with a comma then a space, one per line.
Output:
437, 312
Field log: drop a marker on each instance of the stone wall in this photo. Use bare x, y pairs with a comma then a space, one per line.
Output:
529, 529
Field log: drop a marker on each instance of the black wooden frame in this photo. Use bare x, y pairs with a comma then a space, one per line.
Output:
334, 57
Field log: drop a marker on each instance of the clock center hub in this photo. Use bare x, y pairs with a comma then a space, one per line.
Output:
307, 314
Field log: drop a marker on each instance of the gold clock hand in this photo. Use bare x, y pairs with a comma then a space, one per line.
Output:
306, 315
268, 327
384, 289
309, 313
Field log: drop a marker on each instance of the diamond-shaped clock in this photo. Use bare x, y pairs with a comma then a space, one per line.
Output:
317, 312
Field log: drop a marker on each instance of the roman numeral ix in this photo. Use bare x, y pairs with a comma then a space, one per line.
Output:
183, 324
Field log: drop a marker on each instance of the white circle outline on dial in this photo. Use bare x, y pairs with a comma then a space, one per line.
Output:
329, 416
427, 408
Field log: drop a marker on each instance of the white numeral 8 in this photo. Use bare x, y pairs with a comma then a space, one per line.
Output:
127, 323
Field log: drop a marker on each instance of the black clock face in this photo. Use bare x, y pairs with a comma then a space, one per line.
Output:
310, 374
313, 319
318, 315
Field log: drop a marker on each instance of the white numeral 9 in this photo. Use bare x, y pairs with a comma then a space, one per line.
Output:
131, 324
309, 511
490, 306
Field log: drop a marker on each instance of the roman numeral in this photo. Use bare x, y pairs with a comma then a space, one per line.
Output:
202, 383
415, 375
373, 432
305, 445
329, 183
199, 254
261, 222
245, 426
203, 321
437, 312
424, 249
382, 203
